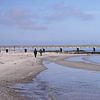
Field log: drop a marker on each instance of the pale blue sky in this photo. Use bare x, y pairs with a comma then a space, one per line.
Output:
49, 21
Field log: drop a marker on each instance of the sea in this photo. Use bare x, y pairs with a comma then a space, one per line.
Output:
58, 82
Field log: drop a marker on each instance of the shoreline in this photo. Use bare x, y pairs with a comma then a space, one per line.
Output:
17, 68
21, 67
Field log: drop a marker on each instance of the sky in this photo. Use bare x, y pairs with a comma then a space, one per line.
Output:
49, 22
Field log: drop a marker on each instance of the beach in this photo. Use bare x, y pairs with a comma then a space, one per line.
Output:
23, 67
15, 68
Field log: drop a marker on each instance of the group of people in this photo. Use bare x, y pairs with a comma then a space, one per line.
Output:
40, 51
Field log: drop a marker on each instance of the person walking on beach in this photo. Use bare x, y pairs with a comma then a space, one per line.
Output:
40, 52
43, 50
35, 52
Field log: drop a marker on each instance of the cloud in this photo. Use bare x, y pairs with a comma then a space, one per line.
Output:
28, 20
57, 6
21, 18
61, 11
31, 26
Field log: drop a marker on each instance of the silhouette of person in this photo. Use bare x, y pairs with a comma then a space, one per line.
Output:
60, 49
25, 50
43, 50
40, 52
35, 52
6, 50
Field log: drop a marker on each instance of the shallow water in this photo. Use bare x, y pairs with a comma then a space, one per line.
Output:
78, 58
94, 59
88, 59
62, 83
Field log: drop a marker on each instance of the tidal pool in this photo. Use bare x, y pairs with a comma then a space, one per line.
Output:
88, 59
77, 58
62, 83
94, 59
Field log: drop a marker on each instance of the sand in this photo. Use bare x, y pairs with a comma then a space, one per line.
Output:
14, 68
22, 67
75, 64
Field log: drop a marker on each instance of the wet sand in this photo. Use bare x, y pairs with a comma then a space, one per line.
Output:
22, 67
75, 64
